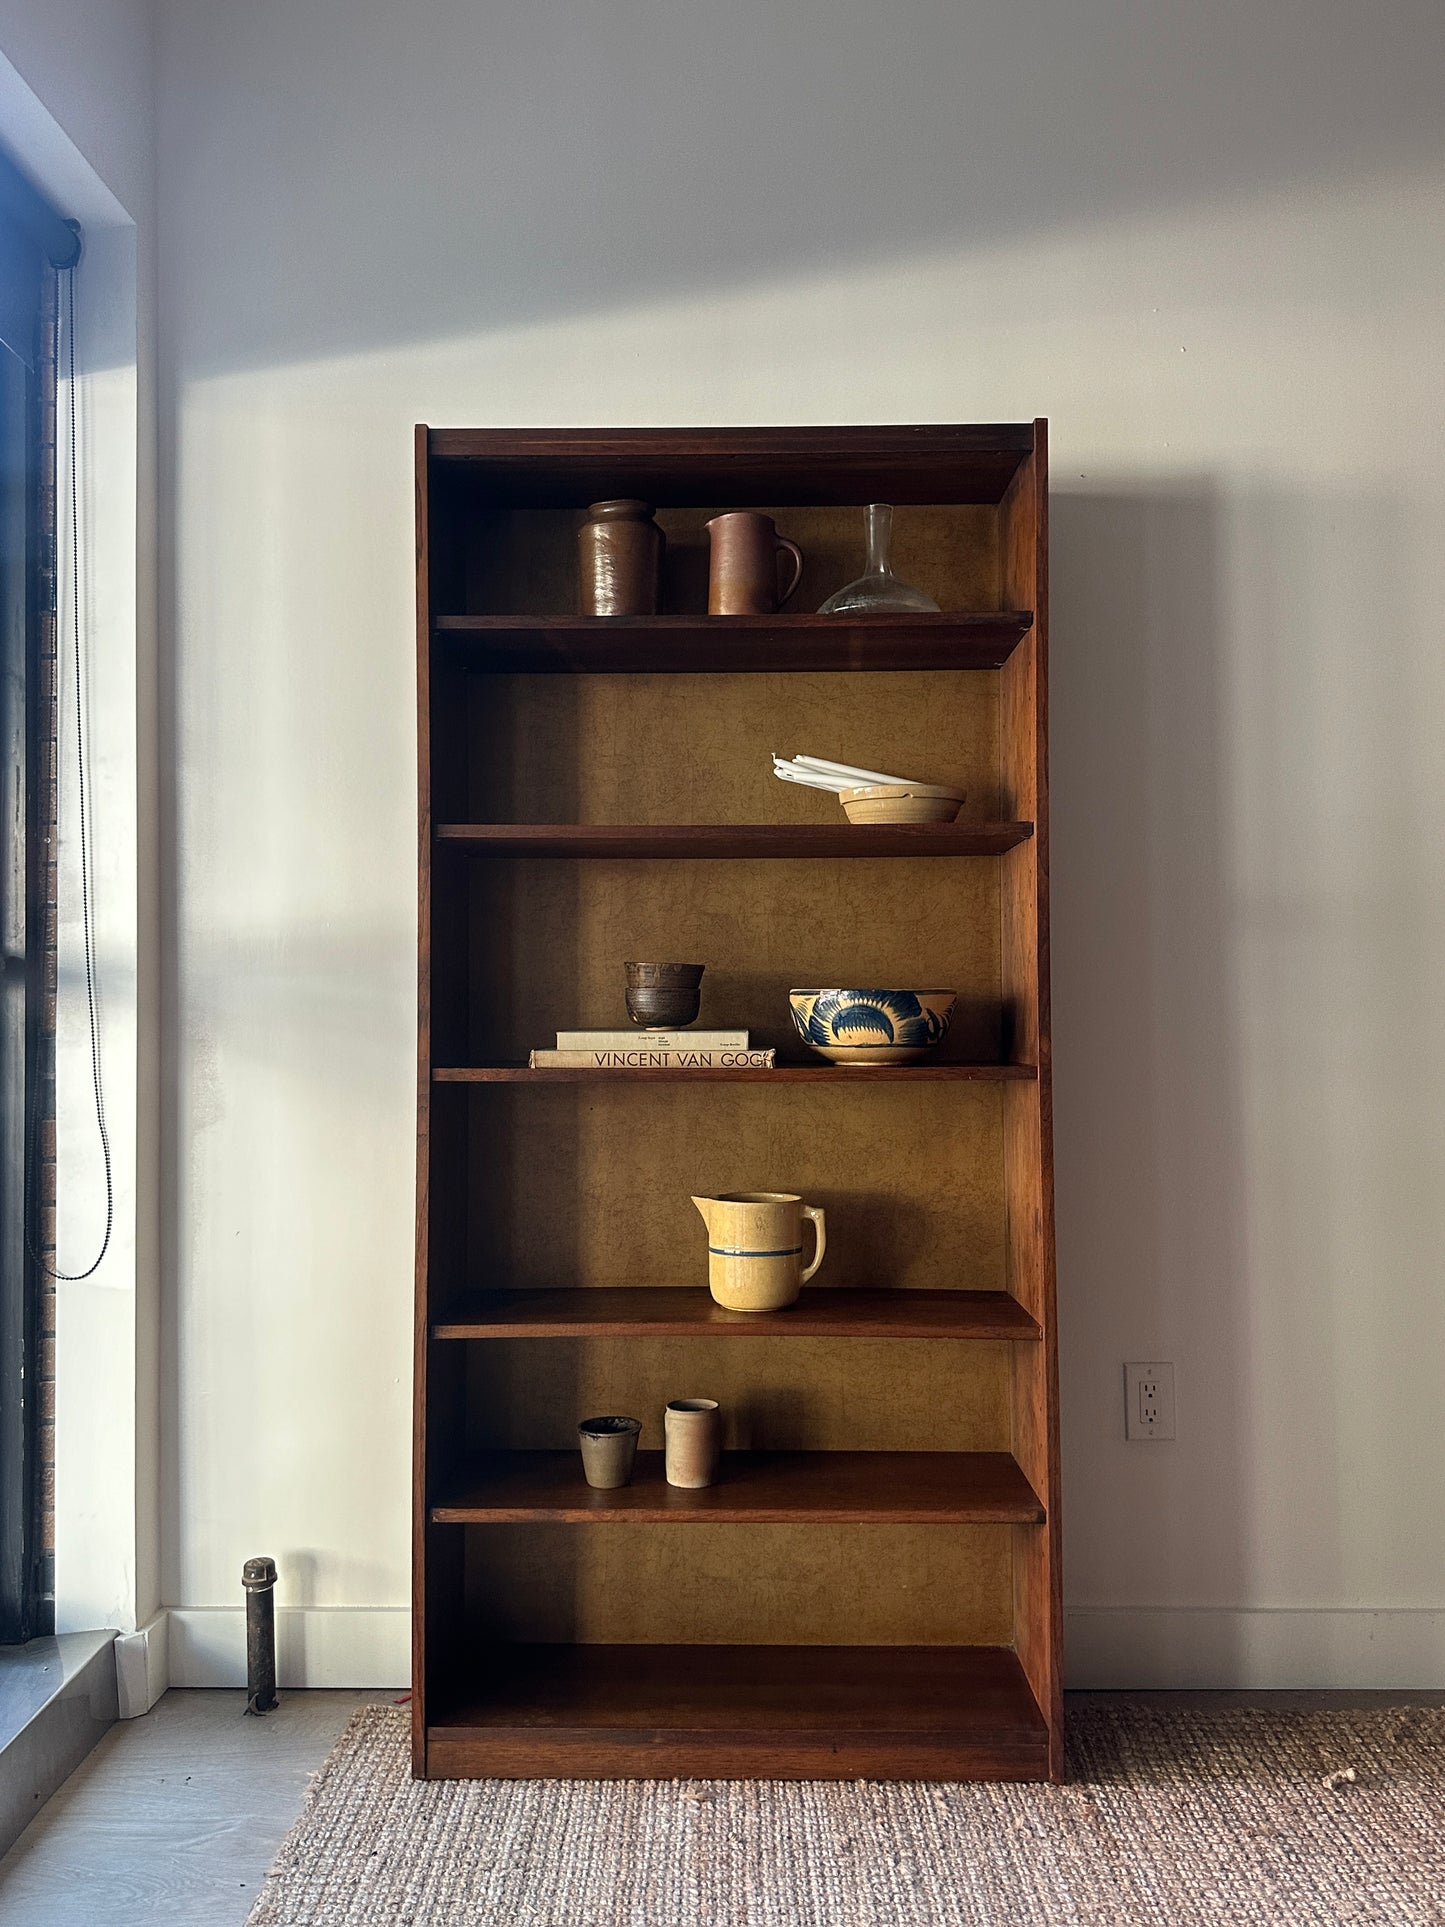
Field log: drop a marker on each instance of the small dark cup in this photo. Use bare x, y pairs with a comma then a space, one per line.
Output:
609, 1447
663, 996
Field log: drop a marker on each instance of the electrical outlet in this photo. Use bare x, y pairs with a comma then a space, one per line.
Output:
1149, 1401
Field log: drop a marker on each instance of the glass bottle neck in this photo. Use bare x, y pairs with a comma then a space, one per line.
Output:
879, 526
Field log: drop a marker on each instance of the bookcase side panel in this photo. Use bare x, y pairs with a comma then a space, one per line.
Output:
1028, 1112
442, 1197
421, 1311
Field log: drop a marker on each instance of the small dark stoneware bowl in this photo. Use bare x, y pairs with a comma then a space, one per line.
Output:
663, 996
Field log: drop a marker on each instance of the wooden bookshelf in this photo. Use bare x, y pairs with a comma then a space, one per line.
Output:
597, 788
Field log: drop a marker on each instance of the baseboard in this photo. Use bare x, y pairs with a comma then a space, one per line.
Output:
142, 1671
315, 1646
1264, 1649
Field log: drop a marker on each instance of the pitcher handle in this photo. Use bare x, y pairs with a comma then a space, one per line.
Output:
820, 1231
786, 597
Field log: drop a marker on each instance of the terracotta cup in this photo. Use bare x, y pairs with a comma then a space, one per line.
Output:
743, 565
692, 1430
609, 1446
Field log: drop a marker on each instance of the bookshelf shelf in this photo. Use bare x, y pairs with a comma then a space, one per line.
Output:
731, 839
753, 1488
671, 1311
928, 1072
730, 645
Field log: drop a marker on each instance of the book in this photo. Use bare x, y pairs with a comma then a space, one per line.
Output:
644, 1058
635, 1039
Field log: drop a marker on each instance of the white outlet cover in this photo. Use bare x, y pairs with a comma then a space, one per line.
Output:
1149, 1399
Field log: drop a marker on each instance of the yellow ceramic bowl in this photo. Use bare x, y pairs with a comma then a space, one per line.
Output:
901, 803
872, 1026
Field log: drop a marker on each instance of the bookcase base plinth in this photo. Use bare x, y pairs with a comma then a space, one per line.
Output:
745, 1712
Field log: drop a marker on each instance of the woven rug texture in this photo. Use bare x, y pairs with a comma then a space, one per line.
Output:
1172, 1818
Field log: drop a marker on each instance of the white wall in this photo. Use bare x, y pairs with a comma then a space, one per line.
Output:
76, 110
1209, 244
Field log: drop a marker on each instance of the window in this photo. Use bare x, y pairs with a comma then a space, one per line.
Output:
32, 237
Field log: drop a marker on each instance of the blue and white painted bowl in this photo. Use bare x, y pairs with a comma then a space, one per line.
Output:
872, 1026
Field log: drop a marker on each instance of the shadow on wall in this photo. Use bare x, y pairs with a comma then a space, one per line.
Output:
1151, 1193
1248, 1041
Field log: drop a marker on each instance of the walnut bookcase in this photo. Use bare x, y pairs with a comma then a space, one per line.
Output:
872, 1588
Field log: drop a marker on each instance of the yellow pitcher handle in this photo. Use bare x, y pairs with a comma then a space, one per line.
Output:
815, 1212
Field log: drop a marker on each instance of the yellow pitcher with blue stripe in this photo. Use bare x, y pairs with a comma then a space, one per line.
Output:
755, 1247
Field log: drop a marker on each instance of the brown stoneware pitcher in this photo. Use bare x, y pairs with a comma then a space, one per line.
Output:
743, 565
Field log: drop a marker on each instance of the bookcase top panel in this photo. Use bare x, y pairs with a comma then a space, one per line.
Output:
568, 468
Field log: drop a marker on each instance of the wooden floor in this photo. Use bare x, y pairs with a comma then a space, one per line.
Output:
174, 1817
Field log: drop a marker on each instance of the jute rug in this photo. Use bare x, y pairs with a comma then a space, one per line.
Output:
1173, 1818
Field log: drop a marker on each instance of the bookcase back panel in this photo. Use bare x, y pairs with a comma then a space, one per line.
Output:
843, 1395
750, 1585
698, 749
549, 938
524, 561
580, 1185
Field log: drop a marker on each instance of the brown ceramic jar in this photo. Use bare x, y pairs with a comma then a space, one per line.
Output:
692, 1436
619, 560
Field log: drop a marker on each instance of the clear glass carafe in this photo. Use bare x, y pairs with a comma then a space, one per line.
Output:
878, 589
